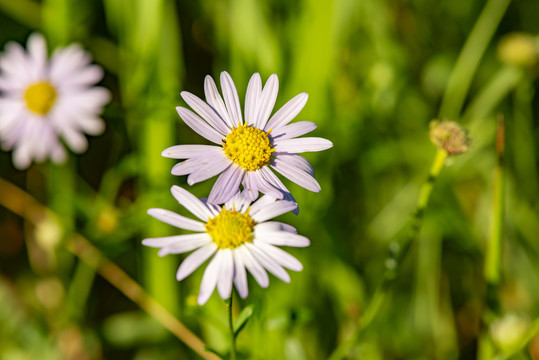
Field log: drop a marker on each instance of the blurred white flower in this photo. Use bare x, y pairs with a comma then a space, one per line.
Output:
248, 145
43, 100
237, 237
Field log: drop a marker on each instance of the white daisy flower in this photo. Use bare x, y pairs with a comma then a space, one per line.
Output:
237, 237
42, 100
246, 149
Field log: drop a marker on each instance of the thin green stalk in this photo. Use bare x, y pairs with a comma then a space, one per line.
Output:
397, 254
78, 291
495, 243
493, 260
231, 328
469, 58
492, 93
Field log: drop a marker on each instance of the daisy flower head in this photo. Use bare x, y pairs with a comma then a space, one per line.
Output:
248, 146
43, 100
237, 237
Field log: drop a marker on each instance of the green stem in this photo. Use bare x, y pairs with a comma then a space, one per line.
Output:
471, 54
397, 254
495, 244
493, 260
231, 328
492, 93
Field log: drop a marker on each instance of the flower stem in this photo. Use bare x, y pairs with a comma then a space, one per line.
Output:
231, 328
397, 253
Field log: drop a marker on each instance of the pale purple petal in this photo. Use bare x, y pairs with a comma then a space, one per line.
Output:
206, 112
37, 51
287, 113
297, 161
226, 273
268, 263
238, 202
253, 266
307, 144
216, 101
261, 184
74, 139
194, 260
281, 238
261, 203
188, 151
232, 101
280, 256
199, 126
187, 244
267, 101
176, 220
278, 184
205, 171
273, 226
272, 210
209, 279
191, 203
291, 131
178, 244
227, 185
296, 175
250, 188
195, 163
86, 76
254, 90
240, 275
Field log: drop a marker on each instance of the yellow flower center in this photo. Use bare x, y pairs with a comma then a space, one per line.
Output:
230, 229
248, 147
40, 97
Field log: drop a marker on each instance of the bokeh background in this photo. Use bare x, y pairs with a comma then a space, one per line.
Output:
377, 72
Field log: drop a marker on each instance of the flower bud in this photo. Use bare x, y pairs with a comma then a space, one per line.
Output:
450, 136
519, 49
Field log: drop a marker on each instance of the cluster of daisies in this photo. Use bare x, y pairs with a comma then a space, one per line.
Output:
45, 102
234, 227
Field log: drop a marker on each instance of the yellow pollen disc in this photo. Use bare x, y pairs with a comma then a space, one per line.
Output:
248, 147
230, 229
40, 97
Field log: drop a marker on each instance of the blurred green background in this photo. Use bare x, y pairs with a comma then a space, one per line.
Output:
377, 72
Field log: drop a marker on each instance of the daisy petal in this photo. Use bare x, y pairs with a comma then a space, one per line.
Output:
280, 256
227, 185
240, 275
253, 266
216, 101
182, 243
188, 151
296, 175
297, 161
293, 130
267, 101
176, 220
281, 238
191, 203
307, 144
209, 279
194, 260
206, 112
226, 273
254, 89
232, 100
194, 163
199, 126
217, 165
278, 184
268, 263
272, 210
273, 226
288, 112
261, 184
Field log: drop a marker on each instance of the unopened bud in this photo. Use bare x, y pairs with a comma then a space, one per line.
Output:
519, 49
450, 136
107, 220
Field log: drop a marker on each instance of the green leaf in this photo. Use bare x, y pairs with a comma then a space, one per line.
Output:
242, 319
